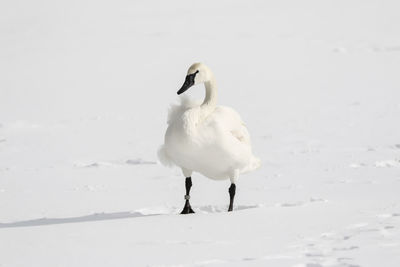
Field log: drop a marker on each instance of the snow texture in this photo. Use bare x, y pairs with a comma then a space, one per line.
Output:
85, 88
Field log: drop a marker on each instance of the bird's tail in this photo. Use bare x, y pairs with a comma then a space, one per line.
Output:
163, 157
254, 164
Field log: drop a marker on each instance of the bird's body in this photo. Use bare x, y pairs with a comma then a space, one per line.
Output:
215, 145
206, 138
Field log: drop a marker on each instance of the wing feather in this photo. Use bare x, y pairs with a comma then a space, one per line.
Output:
241, 134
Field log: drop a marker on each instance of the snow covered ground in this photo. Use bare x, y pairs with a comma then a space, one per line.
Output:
84, 91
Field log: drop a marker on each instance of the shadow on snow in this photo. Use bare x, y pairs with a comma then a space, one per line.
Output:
114, 216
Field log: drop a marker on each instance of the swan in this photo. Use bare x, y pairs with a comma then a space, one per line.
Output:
205, 138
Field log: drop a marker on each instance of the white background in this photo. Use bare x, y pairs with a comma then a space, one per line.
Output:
84, 92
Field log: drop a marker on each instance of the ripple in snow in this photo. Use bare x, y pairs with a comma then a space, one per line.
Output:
387, 163
139, 161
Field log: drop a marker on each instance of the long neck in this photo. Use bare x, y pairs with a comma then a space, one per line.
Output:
210, 101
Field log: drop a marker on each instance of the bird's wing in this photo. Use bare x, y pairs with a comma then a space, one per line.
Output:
241, 134
234, 124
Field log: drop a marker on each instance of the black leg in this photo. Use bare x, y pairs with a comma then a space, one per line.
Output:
232, 191
187, 208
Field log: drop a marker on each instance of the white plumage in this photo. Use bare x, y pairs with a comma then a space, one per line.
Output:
206, 138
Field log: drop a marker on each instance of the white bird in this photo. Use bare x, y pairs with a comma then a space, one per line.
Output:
206, 138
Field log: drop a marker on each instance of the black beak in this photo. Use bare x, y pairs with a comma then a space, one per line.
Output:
189, 82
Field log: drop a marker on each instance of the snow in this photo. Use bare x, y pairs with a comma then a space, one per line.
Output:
85, 88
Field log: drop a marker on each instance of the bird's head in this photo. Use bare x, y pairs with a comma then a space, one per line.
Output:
197, 73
